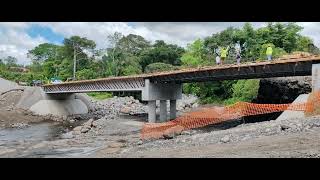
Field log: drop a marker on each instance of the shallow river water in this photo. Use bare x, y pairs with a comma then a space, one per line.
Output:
19, 141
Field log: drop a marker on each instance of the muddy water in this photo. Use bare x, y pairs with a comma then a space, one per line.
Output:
45, 140
19, 141
36, 132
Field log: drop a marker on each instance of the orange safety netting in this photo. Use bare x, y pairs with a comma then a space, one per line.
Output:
216, 115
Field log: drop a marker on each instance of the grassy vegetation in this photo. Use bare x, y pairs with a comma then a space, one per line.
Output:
244, 90
100, 95
224, 92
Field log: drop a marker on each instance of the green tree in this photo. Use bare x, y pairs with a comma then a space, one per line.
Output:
10, 61
81, 49
46, 59
44, 52
67, 67
303, 44
123, 56
113, 40
160, 52
86, 74
132, 44
244, 90
1, 62
210, 92
129, 65
194, 54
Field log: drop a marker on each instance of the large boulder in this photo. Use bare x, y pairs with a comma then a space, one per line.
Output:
283, 89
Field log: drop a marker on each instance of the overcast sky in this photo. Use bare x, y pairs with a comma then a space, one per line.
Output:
16, 38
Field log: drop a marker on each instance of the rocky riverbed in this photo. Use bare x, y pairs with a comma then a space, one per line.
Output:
197, 139
112, 108
131, 106
114, 123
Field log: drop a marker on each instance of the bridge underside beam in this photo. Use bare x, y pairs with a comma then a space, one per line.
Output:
94, 90
96, 86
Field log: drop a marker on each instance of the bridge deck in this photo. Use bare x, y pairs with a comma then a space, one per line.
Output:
276, 68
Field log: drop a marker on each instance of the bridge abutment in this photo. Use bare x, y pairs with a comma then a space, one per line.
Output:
163, 92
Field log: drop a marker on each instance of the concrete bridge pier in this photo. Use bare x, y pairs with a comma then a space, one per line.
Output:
163, 92
152, 111
315, 77
163, 110
173, 109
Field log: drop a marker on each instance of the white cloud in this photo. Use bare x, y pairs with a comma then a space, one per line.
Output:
15, 25
179, 33
92, 30
185, 32
312, 30
14, 41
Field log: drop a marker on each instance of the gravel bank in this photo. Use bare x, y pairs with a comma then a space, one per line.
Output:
241, 133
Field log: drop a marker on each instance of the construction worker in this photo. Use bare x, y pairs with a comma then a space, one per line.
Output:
238, 52
217, 51
224, 52
218, 59
269, 53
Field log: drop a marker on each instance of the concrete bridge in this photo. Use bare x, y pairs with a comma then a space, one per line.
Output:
168, 85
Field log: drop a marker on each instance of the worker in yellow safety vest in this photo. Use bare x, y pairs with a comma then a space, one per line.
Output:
269, 53
224, 53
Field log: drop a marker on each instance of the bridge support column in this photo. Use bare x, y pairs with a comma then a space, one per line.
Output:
315, 77
173, 109
163, 92
152, 111
163, 110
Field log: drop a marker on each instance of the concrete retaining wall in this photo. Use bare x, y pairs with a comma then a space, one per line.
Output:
6, 85
303, 98
86, 100
30, 96
36, 100
59, 107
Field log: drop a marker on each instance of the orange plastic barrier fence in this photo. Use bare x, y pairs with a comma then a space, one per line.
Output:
216, 115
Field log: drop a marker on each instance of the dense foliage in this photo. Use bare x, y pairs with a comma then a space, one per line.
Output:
244, 90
